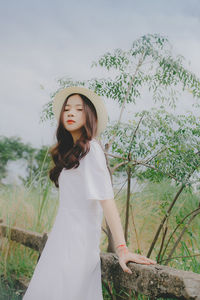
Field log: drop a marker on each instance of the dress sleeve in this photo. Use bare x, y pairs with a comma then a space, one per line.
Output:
99, 185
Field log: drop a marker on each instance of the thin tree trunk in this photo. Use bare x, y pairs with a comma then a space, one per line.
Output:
181, 235
171, 235
127, 204
163, 220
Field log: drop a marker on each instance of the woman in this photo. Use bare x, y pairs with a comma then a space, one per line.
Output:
69, 267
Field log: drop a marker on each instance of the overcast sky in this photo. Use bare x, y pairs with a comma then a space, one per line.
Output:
42, 41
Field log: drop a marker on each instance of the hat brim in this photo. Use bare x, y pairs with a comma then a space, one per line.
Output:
102, 115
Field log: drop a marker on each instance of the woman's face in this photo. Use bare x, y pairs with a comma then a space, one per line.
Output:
74, 110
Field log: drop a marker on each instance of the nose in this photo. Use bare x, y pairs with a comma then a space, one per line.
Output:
70, 113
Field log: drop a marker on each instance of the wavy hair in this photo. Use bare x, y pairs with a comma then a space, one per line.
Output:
65, 153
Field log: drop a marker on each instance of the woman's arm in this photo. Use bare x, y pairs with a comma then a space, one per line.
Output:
113, 219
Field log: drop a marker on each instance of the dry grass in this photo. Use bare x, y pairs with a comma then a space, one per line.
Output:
20, 207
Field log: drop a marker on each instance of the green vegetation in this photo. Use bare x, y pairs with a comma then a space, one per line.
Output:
37, 160
158, 149
20, 207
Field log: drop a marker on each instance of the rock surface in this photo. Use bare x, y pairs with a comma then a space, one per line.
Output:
152, 280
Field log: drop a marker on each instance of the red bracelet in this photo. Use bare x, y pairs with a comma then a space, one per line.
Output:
122, 245
124, 249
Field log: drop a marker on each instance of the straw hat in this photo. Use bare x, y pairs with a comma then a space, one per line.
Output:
102, 115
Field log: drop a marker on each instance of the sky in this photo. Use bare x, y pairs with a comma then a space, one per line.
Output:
43, 41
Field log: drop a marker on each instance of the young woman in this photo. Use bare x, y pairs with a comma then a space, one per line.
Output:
69, 267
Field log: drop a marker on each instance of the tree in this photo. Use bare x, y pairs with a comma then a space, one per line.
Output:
12, 149
38, 160
149, 63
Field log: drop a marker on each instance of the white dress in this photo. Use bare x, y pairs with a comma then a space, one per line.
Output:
69, 267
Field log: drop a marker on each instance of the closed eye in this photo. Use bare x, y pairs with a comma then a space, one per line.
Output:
68, 109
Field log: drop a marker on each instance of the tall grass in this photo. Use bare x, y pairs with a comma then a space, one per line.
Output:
35, 209
29, 208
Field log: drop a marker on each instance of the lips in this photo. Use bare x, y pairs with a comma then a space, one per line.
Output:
70, 121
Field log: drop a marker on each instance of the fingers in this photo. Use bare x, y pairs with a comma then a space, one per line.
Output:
125, 268
148, 260
140, 259
134, 257
144, 260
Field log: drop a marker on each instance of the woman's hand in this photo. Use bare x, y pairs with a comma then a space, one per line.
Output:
124, 256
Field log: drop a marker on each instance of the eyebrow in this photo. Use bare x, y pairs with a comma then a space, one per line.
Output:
76, 104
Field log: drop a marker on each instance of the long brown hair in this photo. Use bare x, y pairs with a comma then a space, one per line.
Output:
67, 154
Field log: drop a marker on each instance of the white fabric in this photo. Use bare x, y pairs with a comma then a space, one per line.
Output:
69, 267
98, 182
